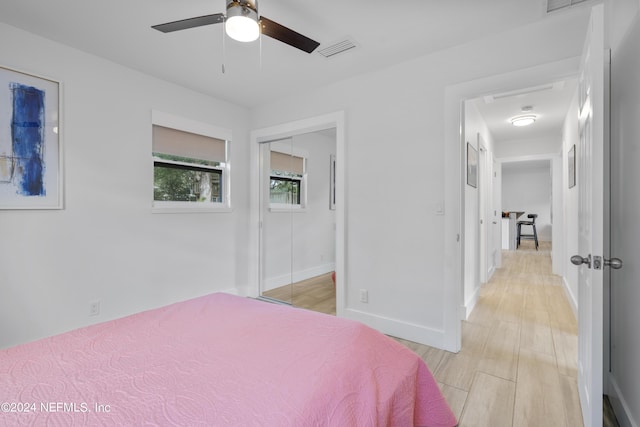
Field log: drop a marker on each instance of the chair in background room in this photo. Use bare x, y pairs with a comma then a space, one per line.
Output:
532, 224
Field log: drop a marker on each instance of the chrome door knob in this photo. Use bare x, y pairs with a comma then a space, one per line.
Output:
615, 263
578, 260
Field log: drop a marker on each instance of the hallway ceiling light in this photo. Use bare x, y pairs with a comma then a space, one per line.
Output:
524, 120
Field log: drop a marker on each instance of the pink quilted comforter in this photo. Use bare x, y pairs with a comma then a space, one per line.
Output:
219, 360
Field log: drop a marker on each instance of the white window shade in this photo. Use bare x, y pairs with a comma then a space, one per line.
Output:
287, 163
186, 144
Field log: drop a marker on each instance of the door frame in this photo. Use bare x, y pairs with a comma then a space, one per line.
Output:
455, 164
487, 211
286, 130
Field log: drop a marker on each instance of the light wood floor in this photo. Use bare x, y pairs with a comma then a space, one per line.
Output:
317, 294
518, 363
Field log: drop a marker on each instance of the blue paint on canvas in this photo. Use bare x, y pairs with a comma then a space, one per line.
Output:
27, 133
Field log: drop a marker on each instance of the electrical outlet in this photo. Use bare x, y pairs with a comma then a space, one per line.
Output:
364, 295
94, 308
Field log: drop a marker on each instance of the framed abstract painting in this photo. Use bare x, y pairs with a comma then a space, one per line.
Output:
30, 143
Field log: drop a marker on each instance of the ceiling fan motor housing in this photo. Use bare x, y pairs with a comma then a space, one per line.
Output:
246, 8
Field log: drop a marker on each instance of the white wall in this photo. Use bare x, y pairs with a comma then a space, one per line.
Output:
570, 137
395, 117
528, 146
558, 216
474, 126
625, 133
300, 245
106, 244
528, 188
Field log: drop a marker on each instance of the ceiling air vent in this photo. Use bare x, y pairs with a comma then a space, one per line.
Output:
553, 5
337, 48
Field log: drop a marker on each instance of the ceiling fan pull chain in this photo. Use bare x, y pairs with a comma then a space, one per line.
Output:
224, 50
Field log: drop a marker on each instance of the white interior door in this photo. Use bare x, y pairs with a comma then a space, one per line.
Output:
590, 154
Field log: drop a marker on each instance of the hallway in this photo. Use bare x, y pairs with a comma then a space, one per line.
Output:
518, 363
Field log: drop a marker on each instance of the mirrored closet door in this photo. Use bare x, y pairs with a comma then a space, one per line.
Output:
297, 244
282, 175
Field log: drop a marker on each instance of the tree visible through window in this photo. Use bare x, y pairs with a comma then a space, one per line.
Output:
182, 181
188, 169
285, 190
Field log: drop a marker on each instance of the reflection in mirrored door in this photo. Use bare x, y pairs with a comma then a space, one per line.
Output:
298, 220
281, 192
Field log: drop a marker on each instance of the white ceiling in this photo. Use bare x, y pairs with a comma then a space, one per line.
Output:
385, 33
549, 103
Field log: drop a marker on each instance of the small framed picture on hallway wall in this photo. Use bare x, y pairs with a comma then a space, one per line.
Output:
472, 166
571, 166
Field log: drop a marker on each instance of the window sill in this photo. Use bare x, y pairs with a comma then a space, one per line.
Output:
177, 209
278, 209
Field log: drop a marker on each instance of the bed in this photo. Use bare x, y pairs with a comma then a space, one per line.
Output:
219, 360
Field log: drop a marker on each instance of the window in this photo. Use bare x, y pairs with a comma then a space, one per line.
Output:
190, 170
288, 179
285, 190
177, 179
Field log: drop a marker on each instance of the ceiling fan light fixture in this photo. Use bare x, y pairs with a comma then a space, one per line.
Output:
242, 21
524, 120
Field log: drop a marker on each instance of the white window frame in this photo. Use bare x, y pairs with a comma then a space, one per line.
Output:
186, 125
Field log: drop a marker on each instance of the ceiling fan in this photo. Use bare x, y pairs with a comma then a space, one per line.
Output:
243, 23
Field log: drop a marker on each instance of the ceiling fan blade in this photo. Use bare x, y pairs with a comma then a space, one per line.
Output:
185, 24
286, 35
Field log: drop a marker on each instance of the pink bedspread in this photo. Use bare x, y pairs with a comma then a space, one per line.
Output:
219, 360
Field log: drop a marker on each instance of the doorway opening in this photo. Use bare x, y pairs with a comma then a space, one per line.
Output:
592, 88
520, 173
509, 291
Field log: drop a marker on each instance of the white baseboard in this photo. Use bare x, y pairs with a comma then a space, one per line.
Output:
470, 304
619, 404
573, 302
397, 328
297, 276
